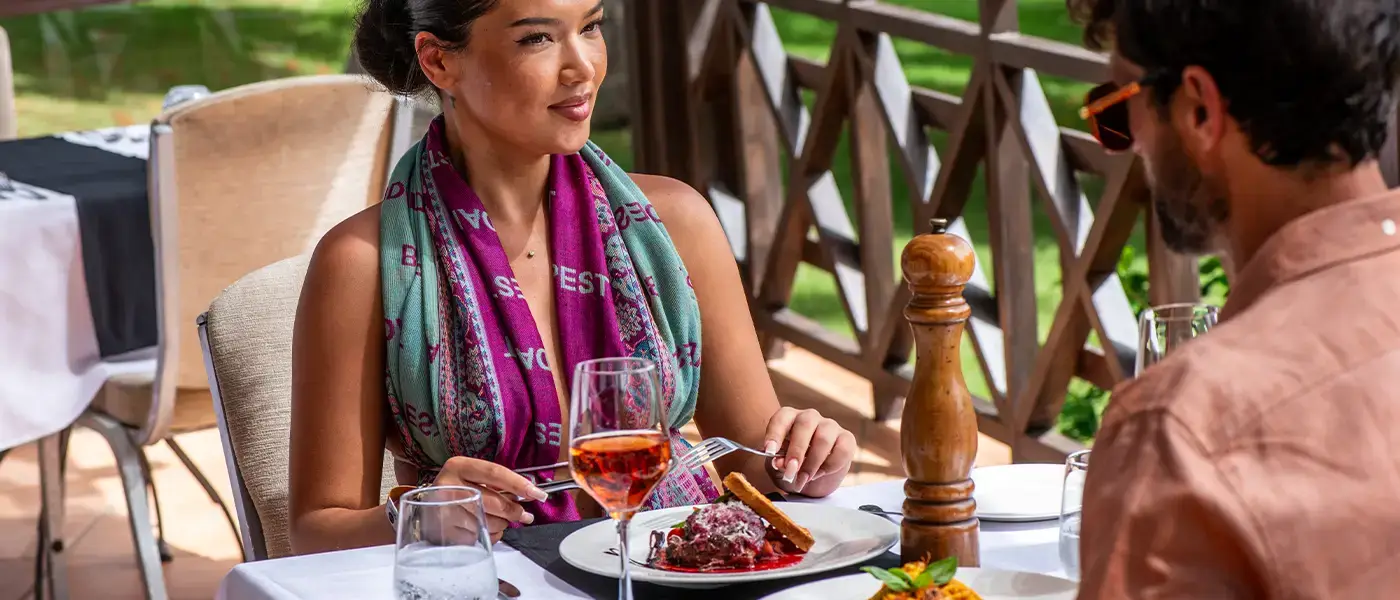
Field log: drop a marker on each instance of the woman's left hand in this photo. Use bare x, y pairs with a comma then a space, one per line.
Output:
818, 449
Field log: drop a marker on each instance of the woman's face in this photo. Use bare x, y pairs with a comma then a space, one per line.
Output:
530, 73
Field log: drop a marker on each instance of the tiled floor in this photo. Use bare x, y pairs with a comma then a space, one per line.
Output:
102, 562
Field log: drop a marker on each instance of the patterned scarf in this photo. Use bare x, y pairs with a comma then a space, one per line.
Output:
466, 371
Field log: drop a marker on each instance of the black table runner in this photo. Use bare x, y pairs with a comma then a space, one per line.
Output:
114, 226
540, 543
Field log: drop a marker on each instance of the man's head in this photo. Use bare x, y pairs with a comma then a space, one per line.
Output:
1236, 90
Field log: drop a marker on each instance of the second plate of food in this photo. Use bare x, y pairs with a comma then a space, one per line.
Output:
728, 542
988, 584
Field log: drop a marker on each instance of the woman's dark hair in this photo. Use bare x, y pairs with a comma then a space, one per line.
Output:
1308, 81
385, 32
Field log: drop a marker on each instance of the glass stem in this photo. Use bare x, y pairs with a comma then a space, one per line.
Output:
624, 583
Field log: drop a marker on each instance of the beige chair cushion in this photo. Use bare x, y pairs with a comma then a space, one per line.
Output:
127, 398
250, 339
261, 172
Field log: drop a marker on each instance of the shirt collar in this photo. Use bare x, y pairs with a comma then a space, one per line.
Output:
1319, 240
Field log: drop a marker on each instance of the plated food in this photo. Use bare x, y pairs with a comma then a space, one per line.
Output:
990, 584
740, 531
810, 537
921, 580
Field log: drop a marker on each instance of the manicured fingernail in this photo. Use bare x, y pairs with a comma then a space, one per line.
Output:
527, 518
790, 473
770, 447
802, 480
537, 493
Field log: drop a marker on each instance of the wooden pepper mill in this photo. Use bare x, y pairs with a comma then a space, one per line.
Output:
938, 436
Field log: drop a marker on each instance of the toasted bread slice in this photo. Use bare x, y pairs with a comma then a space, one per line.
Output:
739, 485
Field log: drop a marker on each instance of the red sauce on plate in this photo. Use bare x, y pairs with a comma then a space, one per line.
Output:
768, 564
777, 553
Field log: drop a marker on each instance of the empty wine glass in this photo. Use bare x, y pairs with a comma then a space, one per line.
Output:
1071, 510
1163, 329
444, 548
620, 446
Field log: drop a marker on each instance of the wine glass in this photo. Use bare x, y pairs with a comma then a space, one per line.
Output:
444, 549
1071, 508
620, 446
1163, 329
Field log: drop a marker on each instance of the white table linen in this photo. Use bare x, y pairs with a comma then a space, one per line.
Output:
50, 366
367, 574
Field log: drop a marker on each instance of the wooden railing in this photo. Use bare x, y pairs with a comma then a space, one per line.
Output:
719, 105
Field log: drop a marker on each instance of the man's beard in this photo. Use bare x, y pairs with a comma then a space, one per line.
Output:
1188, 210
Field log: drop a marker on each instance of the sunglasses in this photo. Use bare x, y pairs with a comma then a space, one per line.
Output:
1106, 110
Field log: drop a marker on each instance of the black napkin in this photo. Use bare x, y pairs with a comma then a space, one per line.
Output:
540, 543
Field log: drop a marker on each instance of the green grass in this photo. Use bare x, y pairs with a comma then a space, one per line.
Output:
112, 65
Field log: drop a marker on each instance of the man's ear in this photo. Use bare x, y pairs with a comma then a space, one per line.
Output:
436, 62
1199, 98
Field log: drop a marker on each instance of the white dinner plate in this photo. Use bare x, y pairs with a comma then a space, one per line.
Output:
1018, 493
990, 584
844, 537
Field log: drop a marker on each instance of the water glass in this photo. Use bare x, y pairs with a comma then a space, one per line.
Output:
181, 94
1071, 508
1163, 329
620, 446
444, 548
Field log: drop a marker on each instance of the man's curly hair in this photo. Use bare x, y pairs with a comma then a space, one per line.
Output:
1308, 81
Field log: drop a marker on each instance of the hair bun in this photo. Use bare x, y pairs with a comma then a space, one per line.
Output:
384, 43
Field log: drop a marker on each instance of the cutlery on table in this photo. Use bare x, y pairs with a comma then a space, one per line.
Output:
875, 510
711, 449
506, 590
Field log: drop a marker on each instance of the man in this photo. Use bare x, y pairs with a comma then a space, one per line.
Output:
1263, 459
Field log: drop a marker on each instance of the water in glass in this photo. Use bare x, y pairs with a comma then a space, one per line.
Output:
444, 549
1069, 544
1071, 511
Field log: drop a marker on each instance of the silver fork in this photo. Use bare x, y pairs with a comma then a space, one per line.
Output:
528, 470
711, 449
552, 487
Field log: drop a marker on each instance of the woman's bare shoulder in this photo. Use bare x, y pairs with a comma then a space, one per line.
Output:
350, 250
675, 200
693, 226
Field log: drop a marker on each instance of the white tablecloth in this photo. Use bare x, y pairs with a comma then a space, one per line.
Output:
50, 366
367, 574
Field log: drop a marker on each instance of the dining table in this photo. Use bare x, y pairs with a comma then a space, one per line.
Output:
367, 573
77, 274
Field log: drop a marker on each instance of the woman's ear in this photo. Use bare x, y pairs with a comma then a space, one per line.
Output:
436, 62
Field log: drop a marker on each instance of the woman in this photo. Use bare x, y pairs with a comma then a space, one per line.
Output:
527, 255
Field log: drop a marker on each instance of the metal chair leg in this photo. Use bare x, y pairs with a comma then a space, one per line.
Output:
51, 563
165, 554
129, 464
208, 488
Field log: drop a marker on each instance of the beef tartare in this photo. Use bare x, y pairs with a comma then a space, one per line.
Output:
730, 535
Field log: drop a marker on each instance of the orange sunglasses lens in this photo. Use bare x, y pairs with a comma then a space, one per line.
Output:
1106, 109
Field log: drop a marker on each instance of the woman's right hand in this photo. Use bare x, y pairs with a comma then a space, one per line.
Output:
499, 488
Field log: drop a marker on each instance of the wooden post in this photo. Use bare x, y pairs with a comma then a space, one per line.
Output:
938, 436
